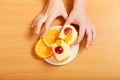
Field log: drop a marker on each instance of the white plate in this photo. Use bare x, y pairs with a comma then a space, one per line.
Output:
73, 53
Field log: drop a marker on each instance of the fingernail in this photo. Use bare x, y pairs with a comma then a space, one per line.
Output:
87, 46
31, 26
75, 43
41, 36
37, 32
92, 43
45, 33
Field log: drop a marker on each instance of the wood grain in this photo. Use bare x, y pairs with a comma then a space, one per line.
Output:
19, 62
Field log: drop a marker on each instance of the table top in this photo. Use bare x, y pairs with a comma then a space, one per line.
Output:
19, 62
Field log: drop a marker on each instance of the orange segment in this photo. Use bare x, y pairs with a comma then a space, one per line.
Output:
67, 38
42, 50
51, 37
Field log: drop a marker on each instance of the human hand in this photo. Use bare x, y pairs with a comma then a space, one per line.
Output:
85, 26
55, 8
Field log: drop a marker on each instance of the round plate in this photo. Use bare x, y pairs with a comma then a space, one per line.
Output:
73, 53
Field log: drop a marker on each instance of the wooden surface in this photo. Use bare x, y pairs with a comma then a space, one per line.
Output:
19, 62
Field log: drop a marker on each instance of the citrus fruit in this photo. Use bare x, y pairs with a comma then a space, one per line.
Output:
42, 50
51, 37
67, 38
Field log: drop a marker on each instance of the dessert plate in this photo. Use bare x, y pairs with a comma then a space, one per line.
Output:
73, 53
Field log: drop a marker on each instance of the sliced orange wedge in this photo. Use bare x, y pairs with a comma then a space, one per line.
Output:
42, 50
67, 38
51, 37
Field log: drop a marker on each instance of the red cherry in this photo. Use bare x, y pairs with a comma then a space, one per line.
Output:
59, 49
67, 31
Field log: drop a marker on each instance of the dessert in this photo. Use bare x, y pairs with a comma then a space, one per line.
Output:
61, 50
68, 34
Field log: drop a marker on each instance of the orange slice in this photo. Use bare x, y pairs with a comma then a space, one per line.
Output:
42, 50
51, 37
67, 38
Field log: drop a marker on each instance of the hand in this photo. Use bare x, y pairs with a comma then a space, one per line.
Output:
55, 8
85, 26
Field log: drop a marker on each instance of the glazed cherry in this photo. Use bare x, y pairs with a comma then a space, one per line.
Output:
67, 31
59, 49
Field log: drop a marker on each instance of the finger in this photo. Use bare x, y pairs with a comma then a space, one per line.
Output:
64, 15
89, 38
37, 29
36, 20
39, 24
48, 23
81, 34
41, 35
68, 21
94, 35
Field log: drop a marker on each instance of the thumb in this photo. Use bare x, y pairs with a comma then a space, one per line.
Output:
68, 21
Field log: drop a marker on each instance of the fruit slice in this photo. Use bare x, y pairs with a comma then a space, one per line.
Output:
42, 50
58, 42
51, 37
68, 38
67, 31
59, 49
62, 51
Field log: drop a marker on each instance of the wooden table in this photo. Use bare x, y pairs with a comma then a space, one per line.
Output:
18, 61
